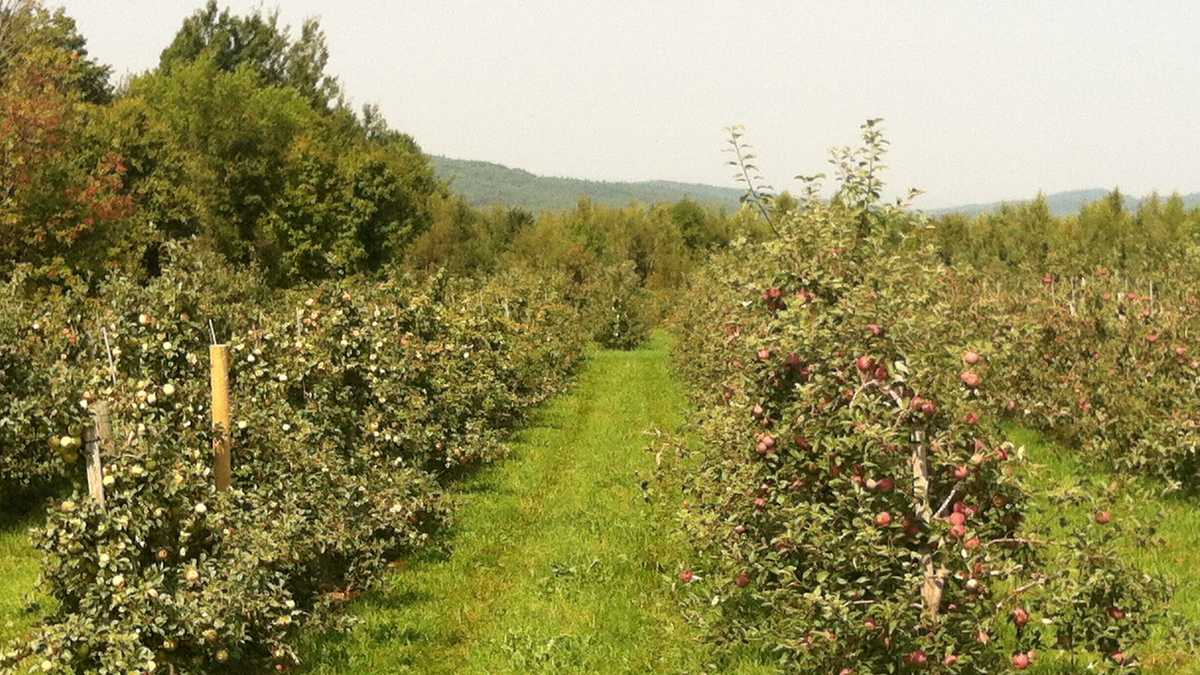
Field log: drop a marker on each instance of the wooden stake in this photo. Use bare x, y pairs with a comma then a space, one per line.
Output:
97, 437
222, 444
931, 588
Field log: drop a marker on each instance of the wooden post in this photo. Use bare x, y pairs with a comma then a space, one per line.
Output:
97, 437
222, 444
931, 588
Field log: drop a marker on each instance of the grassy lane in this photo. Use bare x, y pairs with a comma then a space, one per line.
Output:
18, 574
557, 562
1176, 519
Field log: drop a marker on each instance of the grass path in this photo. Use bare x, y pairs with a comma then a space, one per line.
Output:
557, 562
19, 563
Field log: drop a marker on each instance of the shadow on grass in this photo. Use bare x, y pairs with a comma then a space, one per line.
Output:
26, 507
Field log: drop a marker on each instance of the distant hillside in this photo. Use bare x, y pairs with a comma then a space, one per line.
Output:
1061, 203
483, 183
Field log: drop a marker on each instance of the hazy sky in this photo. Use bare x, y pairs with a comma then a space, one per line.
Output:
981, 100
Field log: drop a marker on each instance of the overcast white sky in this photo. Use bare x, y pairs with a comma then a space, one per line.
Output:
982, 101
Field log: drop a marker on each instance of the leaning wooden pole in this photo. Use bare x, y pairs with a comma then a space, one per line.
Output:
97, 436
222, 444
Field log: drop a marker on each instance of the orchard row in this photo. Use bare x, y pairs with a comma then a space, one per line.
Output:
855, 505
352, 402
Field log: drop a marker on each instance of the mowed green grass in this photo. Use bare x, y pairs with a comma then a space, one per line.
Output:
1176, 520
557, 562
18, 576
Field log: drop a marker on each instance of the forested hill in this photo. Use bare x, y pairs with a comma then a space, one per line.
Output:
1060, 203
483, 183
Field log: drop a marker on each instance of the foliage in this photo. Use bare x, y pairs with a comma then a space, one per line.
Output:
59, 196
1105, 233
258, 42
854, 507
238, 138
1095, 363
37, 344
622, 306
352, 399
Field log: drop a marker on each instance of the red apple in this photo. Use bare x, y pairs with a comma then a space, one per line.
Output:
1020, 661
875, 329
971, 358
686, 576
970, 379
1103, 517
883, 519
742, 580
917, 658
1020, 616
864, 363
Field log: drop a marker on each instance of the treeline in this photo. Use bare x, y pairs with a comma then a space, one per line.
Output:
1105, 233
238, 139
240, 142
